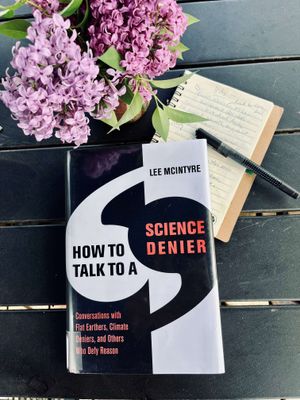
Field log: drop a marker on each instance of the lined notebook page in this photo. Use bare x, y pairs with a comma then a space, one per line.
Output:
235, 117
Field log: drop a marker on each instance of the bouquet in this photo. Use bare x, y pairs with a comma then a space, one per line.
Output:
92, 58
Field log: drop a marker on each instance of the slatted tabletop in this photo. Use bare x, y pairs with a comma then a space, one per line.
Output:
253, 45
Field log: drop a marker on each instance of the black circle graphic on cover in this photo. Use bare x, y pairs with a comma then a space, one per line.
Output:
129, 209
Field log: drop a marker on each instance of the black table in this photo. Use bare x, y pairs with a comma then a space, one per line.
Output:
253, 45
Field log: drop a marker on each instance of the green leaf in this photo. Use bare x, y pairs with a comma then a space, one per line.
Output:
17, 28
71, 8
112, 121
134, 108
6, 14
112, 58
15, 6
180, 47
160, 122
170, 83
85, 17
191, 19
182, 116
128, 96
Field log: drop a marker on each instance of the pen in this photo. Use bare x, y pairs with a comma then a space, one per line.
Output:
228, 151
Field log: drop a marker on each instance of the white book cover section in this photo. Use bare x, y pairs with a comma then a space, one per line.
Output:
143, 293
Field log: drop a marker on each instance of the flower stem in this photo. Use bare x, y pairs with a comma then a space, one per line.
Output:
33, 4
157, 99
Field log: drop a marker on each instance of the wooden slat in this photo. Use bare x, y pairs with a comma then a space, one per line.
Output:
32, 265
32, 185
32, 347
282, 159
277, 82
246, 271
25, 9
261, 261
33, 181
242, 29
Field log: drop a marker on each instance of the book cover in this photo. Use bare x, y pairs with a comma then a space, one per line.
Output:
140, 260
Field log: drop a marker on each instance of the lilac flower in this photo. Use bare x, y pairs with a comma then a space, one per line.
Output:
55, 84
145, 32
49, 6
74, 128
110, 100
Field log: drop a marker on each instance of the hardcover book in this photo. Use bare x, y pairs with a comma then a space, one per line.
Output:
140, 259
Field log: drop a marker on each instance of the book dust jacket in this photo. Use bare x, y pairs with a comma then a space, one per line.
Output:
142, 286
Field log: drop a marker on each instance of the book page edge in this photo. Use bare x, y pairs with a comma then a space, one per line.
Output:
233, 212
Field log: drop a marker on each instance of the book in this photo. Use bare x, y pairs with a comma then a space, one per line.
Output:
142, 286
245, 122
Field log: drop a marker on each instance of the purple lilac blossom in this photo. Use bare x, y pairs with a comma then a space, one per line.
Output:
48, 6
145, 33
55, 84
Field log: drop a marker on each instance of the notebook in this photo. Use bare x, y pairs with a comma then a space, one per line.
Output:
245, 122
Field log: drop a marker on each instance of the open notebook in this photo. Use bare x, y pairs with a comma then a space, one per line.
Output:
245, 122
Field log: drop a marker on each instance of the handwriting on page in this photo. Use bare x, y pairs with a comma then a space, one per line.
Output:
235, 117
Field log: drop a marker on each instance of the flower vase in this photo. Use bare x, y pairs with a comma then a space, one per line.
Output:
122, 108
